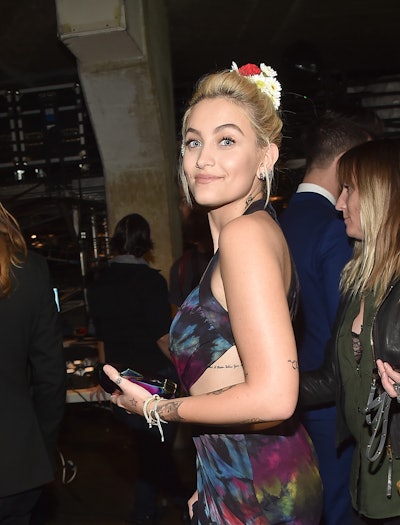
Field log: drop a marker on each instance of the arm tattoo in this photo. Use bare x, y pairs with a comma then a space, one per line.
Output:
218, 367
294, 363
133, 402
169, 410
220, 391
253, 420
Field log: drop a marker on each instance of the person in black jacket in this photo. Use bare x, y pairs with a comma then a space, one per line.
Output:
131, 313
32, 375
366, 339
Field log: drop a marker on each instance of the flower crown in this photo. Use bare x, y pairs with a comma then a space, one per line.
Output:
265, 79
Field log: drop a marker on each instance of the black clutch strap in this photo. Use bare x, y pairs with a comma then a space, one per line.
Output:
379, 425
379, 421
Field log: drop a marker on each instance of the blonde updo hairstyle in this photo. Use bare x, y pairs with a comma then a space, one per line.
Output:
264, 118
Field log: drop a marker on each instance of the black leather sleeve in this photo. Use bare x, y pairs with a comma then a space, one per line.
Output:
386, 329
318, 387
321, 387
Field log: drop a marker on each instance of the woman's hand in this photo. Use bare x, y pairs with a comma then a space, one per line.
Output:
132, 396
390, 378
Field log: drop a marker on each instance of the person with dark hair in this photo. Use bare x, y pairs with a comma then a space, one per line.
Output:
32, 375
359, 369
255, 461
330, 135
128, 301
364, 117
131, 313
320, 248
131, 236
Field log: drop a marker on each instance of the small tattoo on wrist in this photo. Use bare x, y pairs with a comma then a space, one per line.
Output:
294, 363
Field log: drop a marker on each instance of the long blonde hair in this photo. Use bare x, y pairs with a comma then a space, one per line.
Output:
374, 169
12, 249
263, 117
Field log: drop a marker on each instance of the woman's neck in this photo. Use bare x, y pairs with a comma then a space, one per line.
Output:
219, 217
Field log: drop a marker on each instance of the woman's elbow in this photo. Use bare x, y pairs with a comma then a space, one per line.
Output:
280, 407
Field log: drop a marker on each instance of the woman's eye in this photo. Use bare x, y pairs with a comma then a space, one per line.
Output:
226, 141
192, 143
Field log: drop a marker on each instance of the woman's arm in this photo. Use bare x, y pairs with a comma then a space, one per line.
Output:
252, 280
318, 387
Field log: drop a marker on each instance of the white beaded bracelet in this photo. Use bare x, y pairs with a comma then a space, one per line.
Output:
152, 416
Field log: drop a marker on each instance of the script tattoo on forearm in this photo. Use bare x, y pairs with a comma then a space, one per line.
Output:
294, 363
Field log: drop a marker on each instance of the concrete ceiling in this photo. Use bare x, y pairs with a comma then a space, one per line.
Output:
327, 38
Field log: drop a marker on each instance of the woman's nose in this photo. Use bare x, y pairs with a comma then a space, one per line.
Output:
205, 158
340, 203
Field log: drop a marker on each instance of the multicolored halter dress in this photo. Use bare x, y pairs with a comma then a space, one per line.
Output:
265, 478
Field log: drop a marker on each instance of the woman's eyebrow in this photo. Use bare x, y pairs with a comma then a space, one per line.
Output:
229, 125
217, 129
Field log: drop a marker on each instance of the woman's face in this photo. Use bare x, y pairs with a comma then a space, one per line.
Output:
221, 158
349, 204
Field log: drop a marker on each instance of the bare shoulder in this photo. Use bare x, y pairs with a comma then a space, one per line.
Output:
248, 231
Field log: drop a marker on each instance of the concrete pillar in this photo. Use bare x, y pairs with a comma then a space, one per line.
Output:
123, 60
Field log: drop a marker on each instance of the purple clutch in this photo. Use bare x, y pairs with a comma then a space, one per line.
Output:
163, 387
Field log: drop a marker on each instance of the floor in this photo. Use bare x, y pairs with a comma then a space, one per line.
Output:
100, 491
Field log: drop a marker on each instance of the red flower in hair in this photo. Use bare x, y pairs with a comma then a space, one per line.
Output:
248, 70
264, 77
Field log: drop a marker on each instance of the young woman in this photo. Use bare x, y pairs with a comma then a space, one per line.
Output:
32, 375
232, 340
367, 331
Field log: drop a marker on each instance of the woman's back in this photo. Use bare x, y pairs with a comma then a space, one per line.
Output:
130, 309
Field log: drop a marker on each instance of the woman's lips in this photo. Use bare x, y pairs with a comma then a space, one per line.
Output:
205, 179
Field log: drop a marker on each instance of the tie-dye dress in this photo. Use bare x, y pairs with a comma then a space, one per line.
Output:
264, 478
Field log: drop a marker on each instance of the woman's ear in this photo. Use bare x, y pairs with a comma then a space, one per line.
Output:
271, 155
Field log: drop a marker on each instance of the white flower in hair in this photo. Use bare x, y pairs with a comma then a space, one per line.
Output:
265, 78
268, 71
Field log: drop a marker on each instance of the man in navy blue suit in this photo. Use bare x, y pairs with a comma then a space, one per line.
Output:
320, 247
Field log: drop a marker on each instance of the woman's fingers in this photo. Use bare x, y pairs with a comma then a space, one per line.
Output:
390, 378
112, 372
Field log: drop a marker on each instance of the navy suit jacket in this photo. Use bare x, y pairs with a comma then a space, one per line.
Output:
32, 379
320, 247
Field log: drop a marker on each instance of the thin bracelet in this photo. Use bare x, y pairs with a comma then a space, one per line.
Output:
152, 416
145, 404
